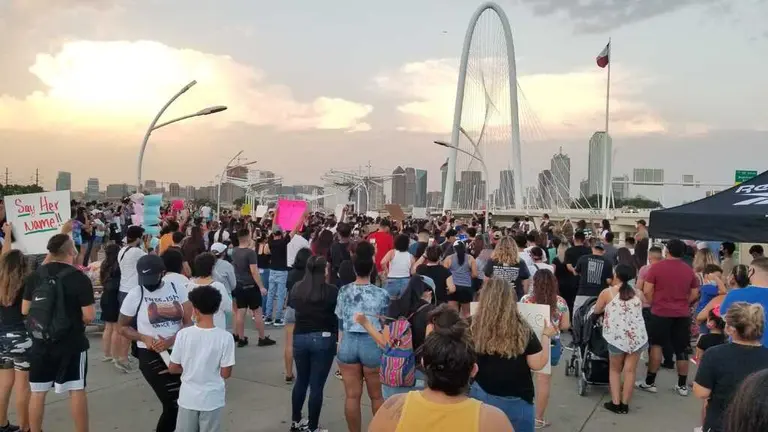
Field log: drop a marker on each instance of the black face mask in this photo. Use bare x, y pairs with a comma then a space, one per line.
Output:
153, 288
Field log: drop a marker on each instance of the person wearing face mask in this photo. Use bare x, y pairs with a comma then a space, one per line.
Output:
160, 310
755, 293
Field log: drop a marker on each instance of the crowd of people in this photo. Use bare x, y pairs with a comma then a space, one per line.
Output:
422, 313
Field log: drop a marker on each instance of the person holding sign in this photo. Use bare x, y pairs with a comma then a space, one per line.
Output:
507, 351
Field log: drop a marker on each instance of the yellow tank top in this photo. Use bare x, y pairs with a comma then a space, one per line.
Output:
422, 415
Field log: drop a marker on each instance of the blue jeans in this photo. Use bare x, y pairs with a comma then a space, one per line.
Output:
277, 288
313, 354
264, 273
519, 412
359, 348
396, 287
388, 391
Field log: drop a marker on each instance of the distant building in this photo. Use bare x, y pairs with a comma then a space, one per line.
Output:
150, 184
189, 193
92, 189
505, 197
471, 190
378, 200
443, 178
63, 181
688, 180
620, 187
410, 186
560, 165
435, 199
653, 176
597, 155
584, 189
546, 190
398, 186
118, 191
421, 189
174, 190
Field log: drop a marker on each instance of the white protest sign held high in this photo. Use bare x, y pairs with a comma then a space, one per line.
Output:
36, 218
536, 316
260, 211
419, 212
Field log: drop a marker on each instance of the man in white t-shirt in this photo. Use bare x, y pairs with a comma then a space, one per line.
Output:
127, 258
205, 212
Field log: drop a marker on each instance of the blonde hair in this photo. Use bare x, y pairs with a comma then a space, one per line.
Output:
702, 258
561, 250
497, 327
748, 319
506, 252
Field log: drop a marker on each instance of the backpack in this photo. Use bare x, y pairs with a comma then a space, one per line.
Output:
47, 320
398, 363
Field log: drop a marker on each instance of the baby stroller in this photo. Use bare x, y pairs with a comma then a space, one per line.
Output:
589, 361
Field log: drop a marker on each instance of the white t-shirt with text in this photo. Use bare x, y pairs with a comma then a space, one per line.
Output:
202, 352
160, 312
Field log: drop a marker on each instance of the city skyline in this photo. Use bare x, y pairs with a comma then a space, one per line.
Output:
82, 80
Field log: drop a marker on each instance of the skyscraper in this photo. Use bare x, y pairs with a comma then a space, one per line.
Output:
92, 189
63, 181
471, 190
174, 190
597, 154
443, 176
410, 186
506, 195
546, 189
398, 186
421, 189
620, 187
561, 176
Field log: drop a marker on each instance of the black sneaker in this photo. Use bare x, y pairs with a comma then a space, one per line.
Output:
243, 342
266, 341
236, 337
289, 379
279, 323
10, 428
610, 406
300, 426
624, 408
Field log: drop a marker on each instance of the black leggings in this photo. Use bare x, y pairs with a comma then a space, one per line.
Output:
165, 385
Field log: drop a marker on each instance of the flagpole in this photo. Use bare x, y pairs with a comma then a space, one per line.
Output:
606, 150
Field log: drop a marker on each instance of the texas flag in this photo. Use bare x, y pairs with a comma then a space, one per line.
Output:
605, 56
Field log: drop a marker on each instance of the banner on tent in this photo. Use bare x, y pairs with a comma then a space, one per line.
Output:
36, 218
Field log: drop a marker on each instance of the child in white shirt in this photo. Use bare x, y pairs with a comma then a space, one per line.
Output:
204, 356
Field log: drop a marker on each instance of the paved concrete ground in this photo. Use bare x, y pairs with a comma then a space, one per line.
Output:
258, 400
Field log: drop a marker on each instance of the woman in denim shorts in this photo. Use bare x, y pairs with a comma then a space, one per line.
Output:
359, 355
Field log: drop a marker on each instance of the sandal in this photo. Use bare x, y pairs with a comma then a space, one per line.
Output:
541, 424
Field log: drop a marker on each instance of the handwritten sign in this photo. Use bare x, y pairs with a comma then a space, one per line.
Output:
36, 218
536, 315
245, 210
289, 212
261, 211
395, 212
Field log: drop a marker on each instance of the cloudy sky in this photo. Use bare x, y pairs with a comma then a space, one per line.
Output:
314, 85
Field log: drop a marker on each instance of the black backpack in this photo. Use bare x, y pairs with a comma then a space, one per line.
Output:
48, 320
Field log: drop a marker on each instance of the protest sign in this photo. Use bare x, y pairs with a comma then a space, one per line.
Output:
36, 218
261, 211
395, 212
177, 205
420, 212
339, 212
289, 212
245, 210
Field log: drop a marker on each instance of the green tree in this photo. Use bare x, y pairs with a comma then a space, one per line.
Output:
238, 202
16, 189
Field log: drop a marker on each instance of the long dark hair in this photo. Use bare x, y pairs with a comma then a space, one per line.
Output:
748, 410
461, 252
624, 256
740, 275
321, 245
13, 271
313, 288
625, 273
110, 264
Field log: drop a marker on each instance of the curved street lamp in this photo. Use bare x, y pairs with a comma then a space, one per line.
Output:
154, 126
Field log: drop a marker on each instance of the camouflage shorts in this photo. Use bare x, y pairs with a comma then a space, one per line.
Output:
13, 350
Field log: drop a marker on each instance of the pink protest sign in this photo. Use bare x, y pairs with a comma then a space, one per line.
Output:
289, 212
177, 205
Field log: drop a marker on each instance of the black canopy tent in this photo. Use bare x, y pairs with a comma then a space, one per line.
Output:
738, 214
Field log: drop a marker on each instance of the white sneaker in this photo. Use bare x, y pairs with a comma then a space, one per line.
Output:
682, 390
107, 359
698, 429
646, 387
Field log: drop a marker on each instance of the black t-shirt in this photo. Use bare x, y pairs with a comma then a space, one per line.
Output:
338, 254
709, 340
501, 376
574, 253
594, 272
419, 322
263, 260
78, 293
439, 275
722, 370
11, 318
279, 250
514, 274
313, 317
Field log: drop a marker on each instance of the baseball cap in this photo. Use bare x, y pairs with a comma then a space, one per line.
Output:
218, 248
150, 269
134, 232
599, 246
641, 222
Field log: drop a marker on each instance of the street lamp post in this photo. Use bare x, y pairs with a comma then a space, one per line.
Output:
224, 173
485, 171
154, 126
